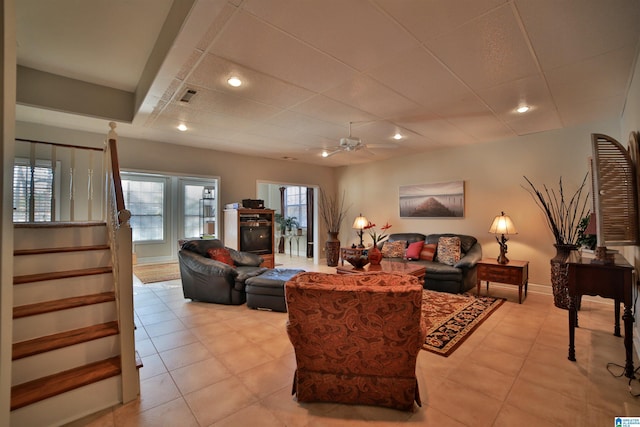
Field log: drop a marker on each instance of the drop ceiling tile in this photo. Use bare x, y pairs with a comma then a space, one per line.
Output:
437, 130
213, 72
177, 112
428, 19
601, 76
473, 117
308, 124
230, 104
257, 45
505, 98
487, 51
420, 77
536, 120
566, 31
330, 110
194, 57
368, 95
356, 31
573, 114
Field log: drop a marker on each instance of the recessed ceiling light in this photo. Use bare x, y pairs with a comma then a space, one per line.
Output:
397, 136
523, 109
182, 127
234, 81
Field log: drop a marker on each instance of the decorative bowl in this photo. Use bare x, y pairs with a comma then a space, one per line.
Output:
358, 261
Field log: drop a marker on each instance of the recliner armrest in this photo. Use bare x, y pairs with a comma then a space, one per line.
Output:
471, 258
245, 258
207, 266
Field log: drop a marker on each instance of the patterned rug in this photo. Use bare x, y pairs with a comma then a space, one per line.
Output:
451, 318
151, 273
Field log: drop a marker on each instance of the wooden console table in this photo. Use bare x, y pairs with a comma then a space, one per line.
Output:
613, 281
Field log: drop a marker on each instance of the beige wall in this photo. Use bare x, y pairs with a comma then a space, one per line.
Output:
493, 175
239, 175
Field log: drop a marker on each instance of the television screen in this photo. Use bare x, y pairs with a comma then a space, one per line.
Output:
256, 240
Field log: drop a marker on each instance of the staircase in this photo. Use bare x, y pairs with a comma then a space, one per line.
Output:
66, 358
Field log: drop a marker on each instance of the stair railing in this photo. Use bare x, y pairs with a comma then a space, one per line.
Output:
55, 182
117, 217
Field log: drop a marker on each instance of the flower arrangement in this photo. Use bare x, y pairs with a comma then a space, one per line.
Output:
377, 238
563, 215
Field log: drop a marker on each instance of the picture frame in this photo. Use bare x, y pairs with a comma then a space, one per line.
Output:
437, 200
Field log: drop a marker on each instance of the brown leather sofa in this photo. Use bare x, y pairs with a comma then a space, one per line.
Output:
356, 338
208, 280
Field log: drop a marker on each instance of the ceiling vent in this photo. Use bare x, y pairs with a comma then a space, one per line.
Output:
186, 97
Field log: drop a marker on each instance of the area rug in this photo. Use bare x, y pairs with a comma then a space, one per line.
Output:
151, 273
451, 318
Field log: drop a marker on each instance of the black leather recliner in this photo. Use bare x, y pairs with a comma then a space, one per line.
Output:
208, 280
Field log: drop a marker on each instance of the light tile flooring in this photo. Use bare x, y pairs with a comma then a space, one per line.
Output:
216, 365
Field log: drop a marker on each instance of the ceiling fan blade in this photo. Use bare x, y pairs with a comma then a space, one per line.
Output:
331, 153
385, 146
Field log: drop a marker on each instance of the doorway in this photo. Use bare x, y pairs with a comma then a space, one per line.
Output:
299, 201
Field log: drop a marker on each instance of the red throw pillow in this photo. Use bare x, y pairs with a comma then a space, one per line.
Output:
220, 254
414, 249
428, 252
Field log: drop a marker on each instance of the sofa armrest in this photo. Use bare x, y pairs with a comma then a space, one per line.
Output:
471, 258
206, 266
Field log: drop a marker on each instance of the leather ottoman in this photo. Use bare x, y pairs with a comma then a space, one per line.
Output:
266, 291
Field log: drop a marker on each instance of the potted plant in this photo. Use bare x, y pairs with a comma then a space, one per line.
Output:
332, 212
563, 216
286, 224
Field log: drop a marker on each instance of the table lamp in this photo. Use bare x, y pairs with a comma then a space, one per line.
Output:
359, 224
503, 225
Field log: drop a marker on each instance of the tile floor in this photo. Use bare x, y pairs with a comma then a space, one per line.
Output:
216, 365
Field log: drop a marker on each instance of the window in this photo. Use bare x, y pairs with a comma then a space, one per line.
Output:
295, 204
36, 182
144, 197
199, 207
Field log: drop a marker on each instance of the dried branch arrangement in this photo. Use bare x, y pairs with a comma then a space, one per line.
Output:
332, 211
563, 215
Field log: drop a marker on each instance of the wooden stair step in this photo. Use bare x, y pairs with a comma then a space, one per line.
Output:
63, 339
61, 304
58, 224
53, 385
40, 251
29, 278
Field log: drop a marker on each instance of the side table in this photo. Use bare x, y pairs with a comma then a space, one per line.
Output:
513, 273
345, 252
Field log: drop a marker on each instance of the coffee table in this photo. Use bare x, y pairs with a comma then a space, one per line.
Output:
387, 266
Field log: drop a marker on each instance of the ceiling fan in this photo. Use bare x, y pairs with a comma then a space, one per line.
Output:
353, 143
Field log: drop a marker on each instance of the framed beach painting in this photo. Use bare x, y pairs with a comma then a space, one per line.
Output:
439, 200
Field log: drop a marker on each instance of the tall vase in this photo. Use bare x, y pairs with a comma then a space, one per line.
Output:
332, 249
559, 279
375, 256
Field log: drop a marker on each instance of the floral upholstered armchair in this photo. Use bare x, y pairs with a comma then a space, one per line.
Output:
356, 338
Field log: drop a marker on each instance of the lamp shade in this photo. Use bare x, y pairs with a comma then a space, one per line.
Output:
360, 222
502, 224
